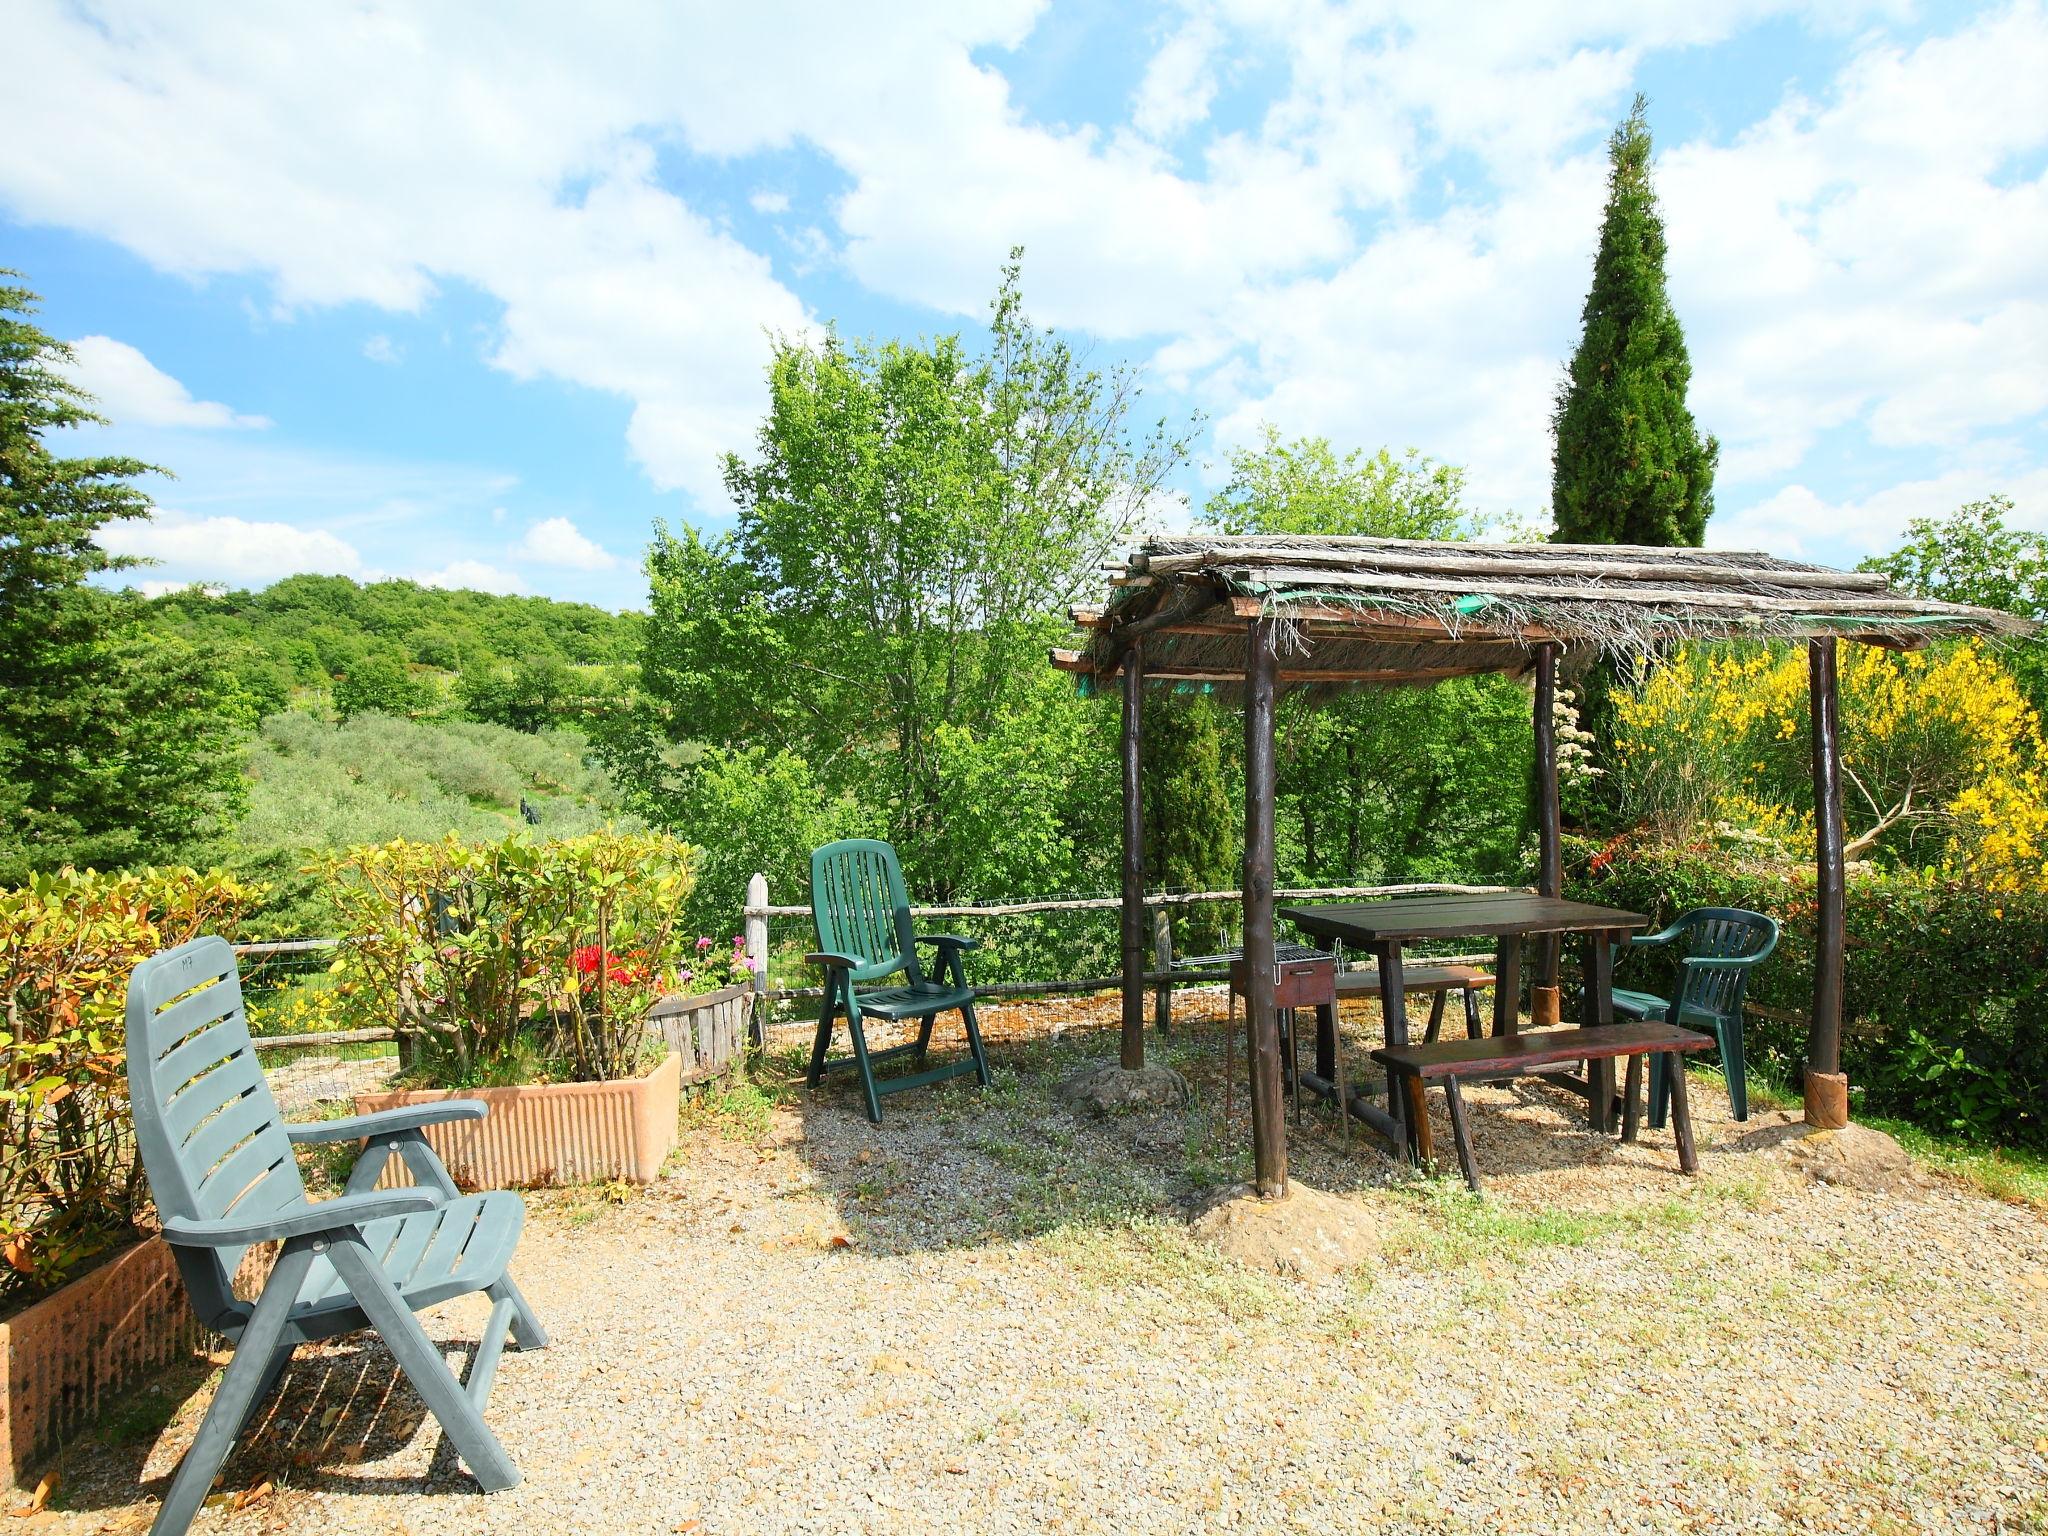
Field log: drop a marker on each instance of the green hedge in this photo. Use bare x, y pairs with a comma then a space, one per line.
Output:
1943, 984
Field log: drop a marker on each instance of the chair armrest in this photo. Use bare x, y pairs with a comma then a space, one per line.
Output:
300, 1221
1724, 962
386, 1122
948, 941
1637, 939
831, 961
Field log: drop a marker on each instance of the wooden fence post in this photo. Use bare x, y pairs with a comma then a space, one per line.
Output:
1162, 962
757, 952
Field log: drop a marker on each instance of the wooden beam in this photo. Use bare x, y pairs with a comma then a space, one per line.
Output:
1450, 560
1549, 822
1269, 1126
1081, 662
1627, 596
1826, 1089
1133, 1042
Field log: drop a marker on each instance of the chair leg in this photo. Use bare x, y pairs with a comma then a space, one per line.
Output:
1632, 1099
1473, 1028
823, 1042
860, 1057
422, 1364
1468, 1163
1732, 1064
280, 1358
974, 1045
240, 1390
1660, 1089
1436, 1018
1681, 1116
527, 1332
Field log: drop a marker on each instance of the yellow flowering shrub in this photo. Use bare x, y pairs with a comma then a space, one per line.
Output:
1942, 757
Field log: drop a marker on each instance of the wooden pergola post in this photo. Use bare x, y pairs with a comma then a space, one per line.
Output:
1133, 1044
1826, 1088
1543, 1006
1269, 1129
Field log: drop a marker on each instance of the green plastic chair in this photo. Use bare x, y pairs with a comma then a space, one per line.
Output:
1723, 945
863, 922
222, 1173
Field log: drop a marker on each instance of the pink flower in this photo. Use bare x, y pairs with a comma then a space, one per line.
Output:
704, 943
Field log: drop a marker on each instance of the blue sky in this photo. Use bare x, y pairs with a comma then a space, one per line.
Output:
473, 294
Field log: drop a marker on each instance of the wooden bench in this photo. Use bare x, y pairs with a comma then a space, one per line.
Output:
1452, 1062
1438, 980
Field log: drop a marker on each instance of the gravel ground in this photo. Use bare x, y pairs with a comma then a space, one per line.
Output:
985, 1315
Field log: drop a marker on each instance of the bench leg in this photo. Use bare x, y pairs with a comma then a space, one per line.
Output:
1681, 1117
1473, 1028
1421, 1140
1631, 1101
1229, 1057
1326, 1034
1290, 1043
1461, 1134
1436, 1019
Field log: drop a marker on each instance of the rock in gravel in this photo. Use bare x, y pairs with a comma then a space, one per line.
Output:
1108, 1089
1309, 1235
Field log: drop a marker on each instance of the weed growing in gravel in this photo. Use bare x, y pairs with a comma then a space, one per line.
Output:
2017, 1175
1156, 1265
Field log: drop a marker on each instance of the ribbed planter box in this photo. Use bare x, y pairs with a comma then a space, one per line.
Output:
63, 1359
551, 1133
709, 1031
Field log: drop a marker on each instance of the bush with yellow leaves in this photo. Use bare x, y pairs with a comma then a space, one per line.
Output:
1942, 757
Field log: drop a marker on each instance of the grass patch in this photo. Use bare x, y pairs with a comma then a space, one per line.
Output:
2018, 1175
1151, 1258
741, 1105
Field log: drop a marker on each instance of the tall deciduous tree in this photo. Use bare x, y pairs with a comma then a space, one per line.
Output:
912, 523
1398, 782
116, 744
1630, 465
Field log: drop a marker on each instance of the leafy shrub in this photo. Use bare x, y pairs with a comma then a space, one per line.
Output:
69, 1181
515, 958
1944, 982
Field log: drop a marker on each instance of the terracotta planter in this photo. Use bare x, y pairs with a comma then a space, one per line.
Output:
551, 1133
709, 1031
64, 1358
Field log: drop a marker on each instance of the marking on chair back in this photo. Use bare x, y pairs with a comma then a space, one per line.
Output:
207, 1127
861, 909
1723, 933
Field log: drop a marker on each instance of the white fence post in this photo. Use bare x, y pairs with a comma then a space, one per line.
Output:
757, 952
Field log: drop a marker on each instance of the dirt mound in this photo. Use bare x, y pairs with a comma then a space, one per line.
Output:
1856, 1156
1308, 1236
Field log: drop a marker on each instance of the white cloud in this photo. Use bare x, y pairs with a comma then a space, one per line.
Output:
558, 542
382, 349
473, 575
132, 391
1394, 251
230, 549
1794, 521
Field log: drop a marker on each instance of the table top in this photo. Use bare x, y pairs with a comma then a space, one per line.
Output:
1457, 917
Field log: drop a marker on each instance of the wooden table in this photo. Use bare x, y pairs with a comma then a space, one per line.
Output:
1382, 927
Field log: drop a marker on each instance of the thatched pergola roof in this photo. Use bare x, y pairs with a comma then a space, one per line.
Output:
1358, 611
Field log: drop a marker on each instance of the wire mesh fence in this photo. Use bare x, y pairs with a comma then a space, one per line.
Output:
312, 1071
1047, 967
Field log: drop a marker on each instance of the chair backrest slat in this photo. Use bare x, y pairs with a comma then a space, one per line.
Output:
210, 1136
1721, 933
861, 909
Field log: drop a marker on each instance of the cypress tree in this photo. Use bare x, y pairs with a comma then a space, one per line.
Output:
1630, 465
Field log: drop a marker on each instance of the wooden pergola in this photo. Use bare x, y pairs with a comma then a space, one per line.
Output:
1263, 614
